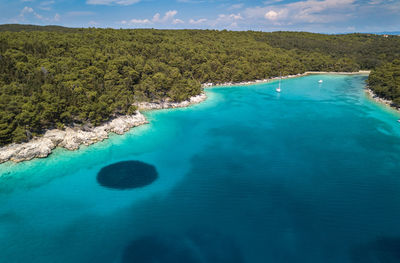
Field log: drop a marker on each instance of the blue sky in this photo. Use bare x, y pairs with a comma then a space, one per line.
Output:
328, 16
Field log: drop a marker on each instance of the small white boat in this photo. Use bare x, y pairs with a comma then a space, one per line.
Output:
278, 89
320, 81
398, 120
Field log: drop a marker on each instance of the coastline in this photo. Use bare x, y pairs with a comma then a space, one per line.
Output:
145, 106
380, 100
260, 81
73, 138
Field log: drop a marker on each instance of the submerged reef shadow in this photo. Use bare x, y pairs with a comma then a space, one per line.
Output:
201, 247
383, 249
127, 175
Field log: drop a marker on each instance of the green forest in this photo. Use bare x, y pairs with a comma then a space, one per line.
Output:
53, 77
384, 80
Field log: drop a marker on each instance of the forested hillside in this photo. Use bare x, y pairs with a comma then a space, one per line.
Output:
55, 77
366, 50
385, 81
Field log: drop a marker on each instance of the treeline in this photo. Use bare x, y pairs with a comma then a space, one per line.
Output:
385, 81
55, 77
26, 27
366, 50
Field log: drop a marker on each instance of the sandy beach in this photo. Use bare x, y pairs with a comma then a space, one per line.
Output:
260, 81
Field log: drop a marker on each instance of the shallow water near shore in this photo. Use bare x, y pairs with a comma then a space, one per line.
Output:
308, 175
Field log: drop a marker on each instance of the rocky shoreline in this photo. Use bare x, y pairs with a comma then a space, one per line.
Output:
252, 82
375, 97
73, 138
166, 104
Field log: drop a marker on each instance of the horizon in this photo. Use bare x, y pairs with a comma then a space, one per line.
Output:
317, 16
390, 33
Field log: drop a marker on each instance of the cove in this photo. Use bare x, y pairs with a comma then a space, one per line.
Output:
249, 175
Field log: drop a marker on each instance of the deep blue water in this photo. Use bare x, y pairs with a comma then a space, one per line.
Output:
308, 175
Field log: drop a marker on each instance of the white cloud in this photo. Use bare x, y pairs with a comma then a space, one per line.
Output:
308, 11
236, 6
167, 18
222, 21
375, 2
230, 17
198, 21
46, 5
38, 16
226, 20
112, 2
47, 2
236, 17
57, 17
351, 28
26, 10
271, 15
270, 2
138, 21
177, 21
29, 10
28, 13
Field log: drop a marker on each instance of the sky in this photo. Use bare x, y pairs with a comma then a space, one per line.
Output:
324, 16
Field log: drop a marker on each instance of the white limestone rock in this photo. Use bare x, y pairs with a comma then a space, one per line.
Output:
168, 104
70, 139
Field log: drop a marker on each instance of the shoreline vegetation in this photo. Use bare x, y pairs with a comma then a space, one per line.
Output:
55, 77
77, 79
261, 81
383, 84
72, 138
380, 100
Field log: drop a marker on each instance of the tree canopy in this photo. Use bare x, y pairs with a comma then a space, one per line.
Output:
56, 77
385, 81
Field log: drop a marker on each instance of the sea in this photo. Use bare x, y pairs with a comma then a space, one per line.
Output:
310, 174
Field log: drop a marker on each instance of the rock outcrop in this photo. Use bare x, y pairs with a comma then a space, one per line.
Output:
73, 138
69, 138
166, 104
390, 103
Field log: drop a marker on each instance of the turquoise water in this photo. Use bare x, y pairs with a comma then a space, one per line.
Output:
308, 175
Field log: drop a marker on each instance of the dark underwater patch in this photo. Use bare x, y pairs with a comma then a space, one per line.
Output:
127, 175
156, 249
384, 249
197, 248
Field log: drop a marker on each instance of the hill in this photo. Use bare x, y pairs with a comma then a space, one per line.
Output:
53, 76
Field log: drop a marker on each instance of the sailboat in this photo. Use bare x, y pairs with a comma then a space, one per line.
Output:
278, 89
